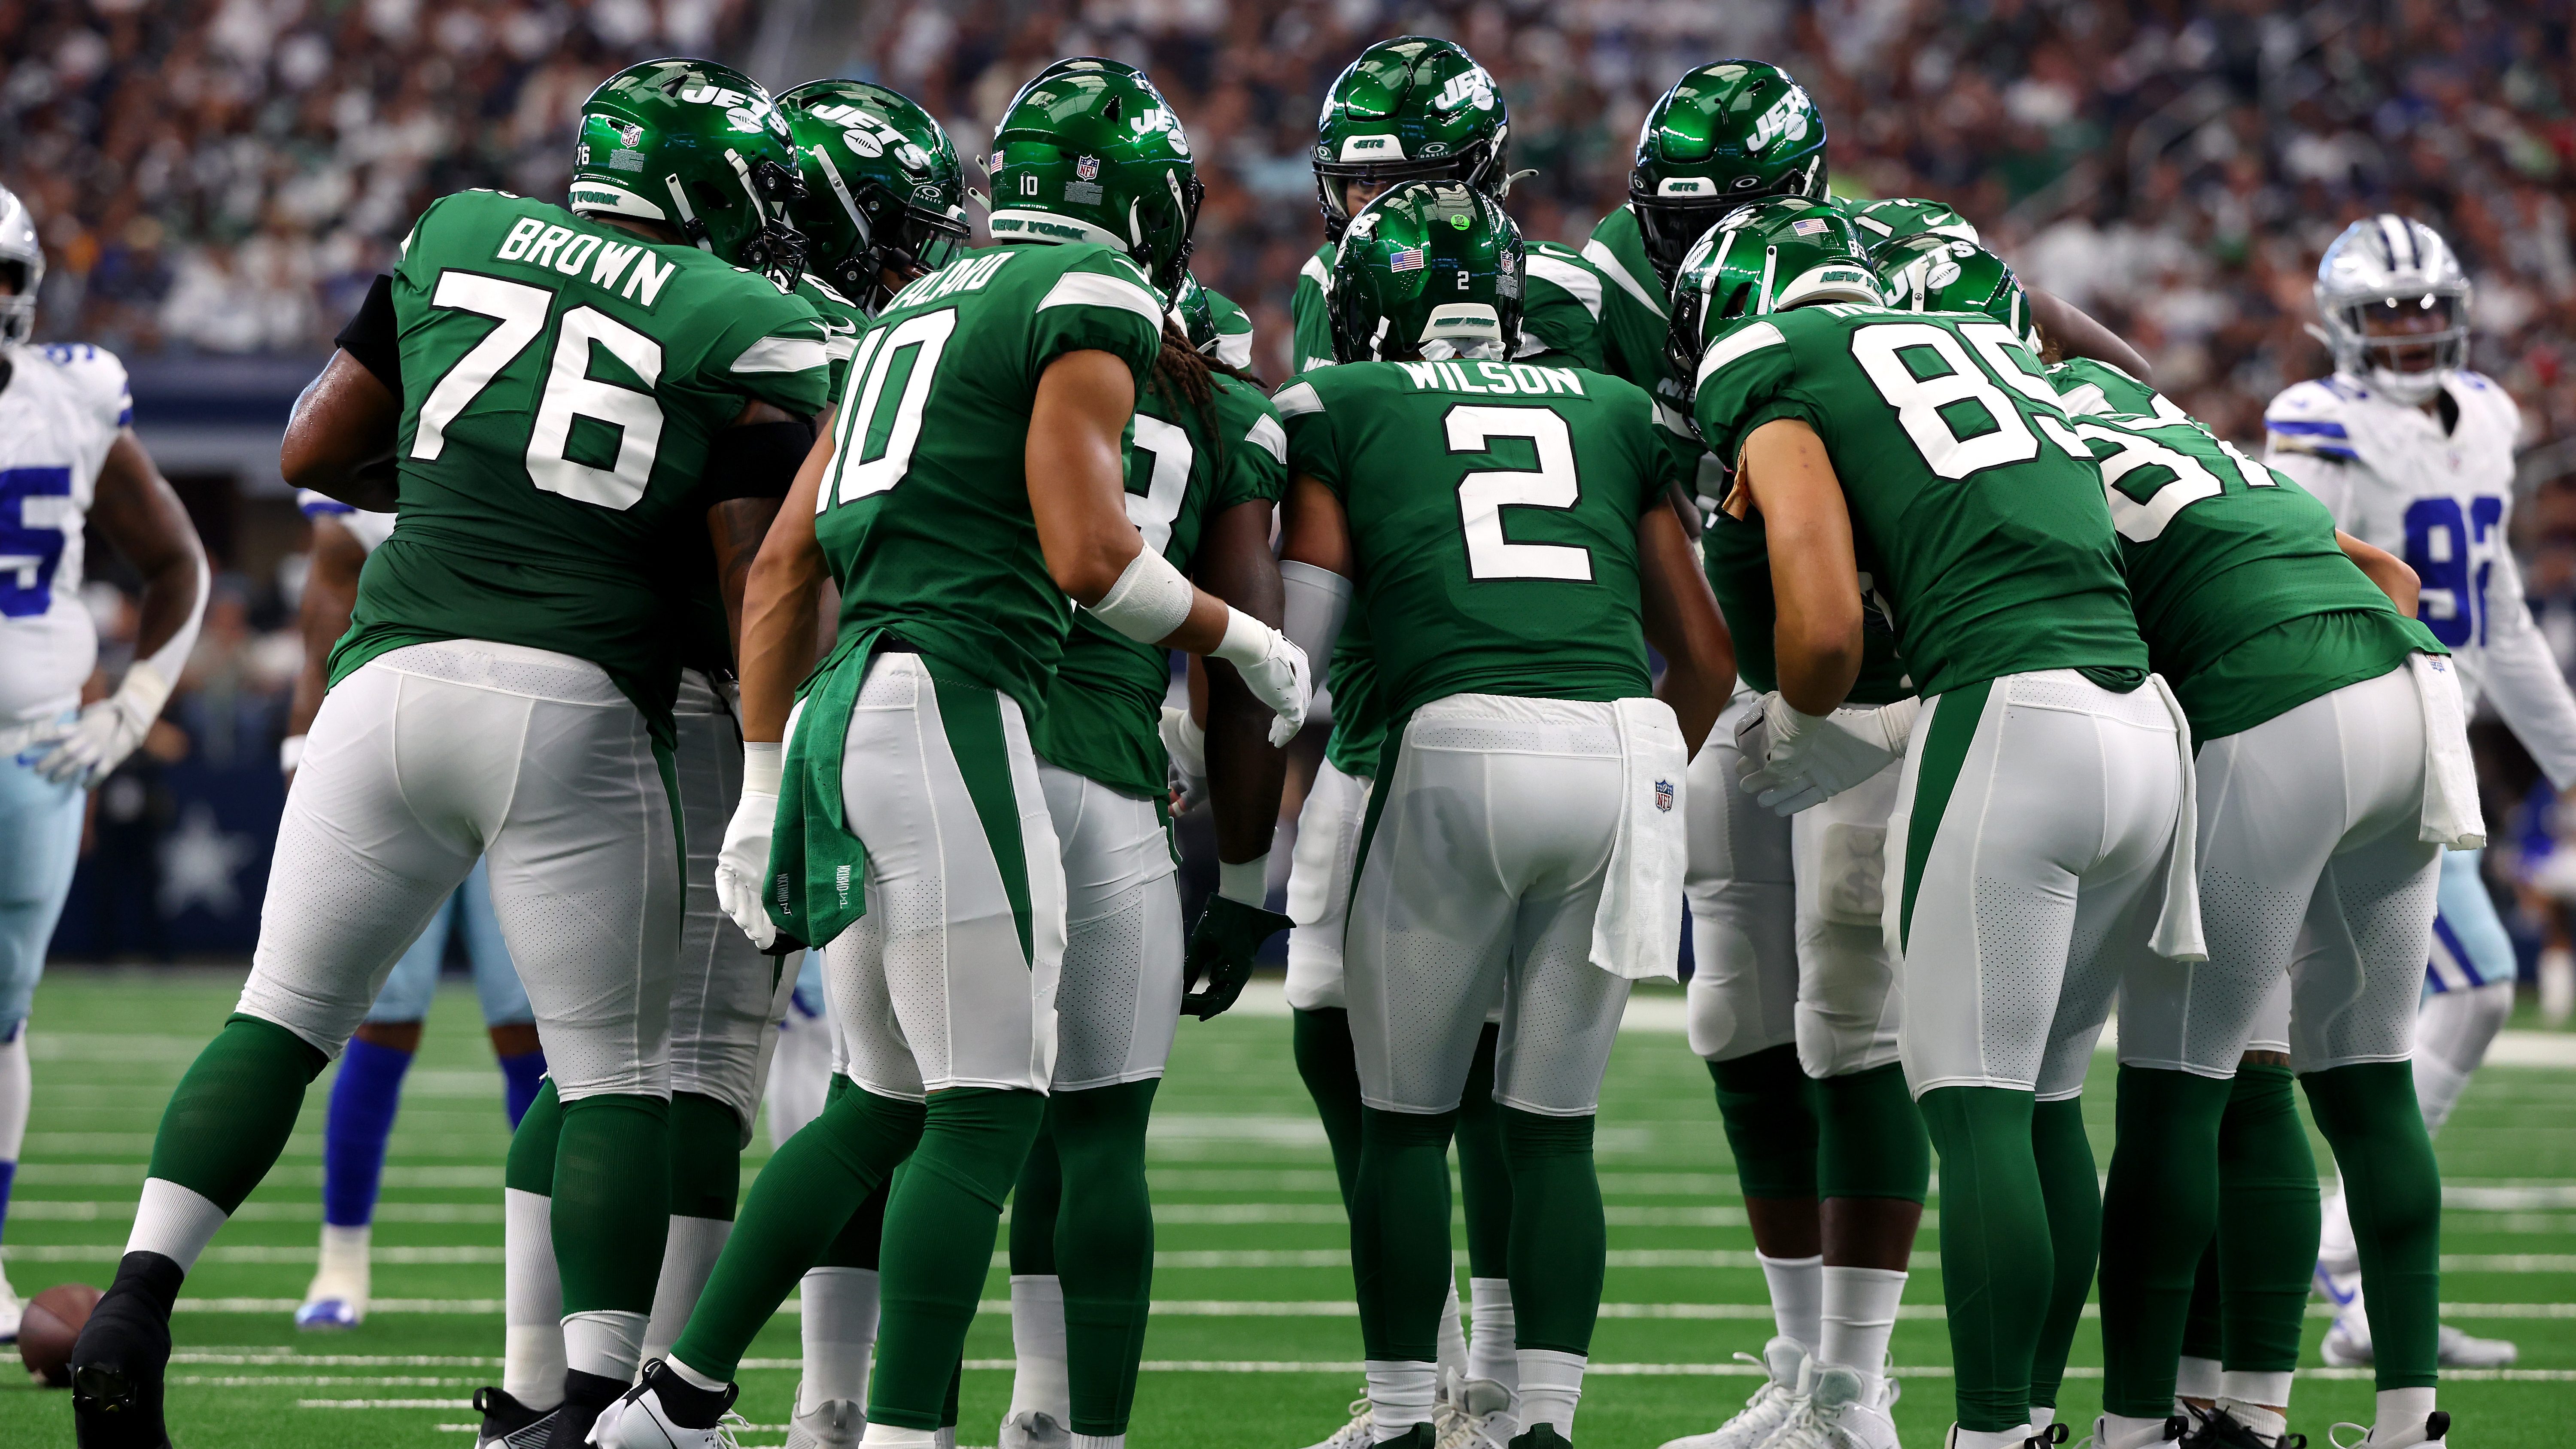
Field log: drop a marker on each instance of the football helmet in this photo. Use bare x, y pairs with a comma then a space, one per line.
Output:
1431, 269
1929, 272
1725, 134
2390, 293
1409, 109
1767, 257
883, 187
1090, 151
23, 258
1897, 217
696, 146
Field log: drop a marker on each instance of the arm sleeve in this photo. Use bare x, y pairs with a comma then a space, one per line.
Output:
1312, 449
2522, 678
1100, 303
373, 338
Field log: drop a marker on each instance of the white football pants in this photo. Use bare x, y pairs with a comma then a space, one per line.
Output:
1118, 995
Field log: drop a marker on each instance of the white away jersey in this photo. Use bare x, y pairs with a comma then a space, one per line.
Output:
59, 415
368, 528
2439, 500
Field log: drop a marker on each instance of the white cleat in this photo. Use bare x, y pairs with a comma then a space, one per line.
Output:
2435, 1428
639, 1421
2466, 1350
1836, 1409
1483, 1417
1359, 1433
1031, 1429
11, 1311
2347, 1345
336, 1300
831, 1424
1783, 1360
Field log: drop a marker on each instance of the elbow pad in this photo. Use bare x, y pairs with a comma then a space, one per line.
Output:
757, 460
1318, 603
1149, 601
373, 338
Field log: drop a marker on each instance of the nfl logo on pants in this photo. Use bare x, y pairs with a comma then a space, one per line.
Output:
1664, 795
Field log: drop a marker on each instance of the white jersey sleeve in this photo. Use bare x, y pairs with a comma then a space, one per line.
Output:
367, 527
60, 413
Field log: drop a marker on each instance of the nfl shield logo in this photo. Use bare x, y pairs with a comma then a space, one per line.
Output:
1087, 167
1664, 795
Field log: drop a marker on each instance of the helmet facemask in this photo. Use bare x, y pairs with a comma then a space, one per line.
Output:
2405, 345
1667, 225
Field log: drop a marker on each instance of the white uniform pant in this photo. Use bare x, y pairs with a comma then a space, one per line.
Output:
2309, 854
726, 995
1478, 887
933, 988
2049, 826
1319, 886
429, 756
1118, 996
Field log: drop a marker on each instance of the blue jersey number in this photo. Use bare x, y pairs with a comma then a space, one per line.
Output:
29, 551
2441, 546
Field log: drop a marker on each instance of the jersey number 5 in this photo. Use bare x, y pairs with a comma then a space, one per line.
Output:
571, 393
1485, 493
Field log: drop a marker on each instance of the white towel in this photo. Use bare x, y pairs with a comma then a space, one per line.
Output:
1637, 929
2177, 934
2452, 818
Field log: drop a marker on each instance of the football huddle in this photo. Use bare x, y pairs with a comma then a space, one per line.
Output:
734, 566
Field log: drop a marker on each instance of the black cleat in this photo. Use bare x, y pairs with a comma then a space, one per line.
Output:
2215, 1428
509, 1424
584, 1396
121, 1356
2437, 1426
1417, 1437
1540, 1436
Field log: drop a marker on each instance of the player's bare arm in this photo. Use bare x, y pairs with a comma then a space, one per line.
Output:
2078, 335
2385, 569
340, 439
1683, 623
780, 595
1245, 773
142, 519
330, 594
761, 444
1785, 475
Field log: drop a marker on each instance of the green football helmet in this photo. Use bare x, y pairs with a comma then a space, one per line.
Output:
1725, 134
1409, 109
1090, 151
1216, 327
1767, 257
1928, 272
1881, 222
698, 147
1431, 269
883, 188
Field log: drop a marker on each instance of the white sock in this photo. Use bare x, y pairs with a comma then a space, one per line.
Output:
1856, 1320
1099, 1441
2041, 1416
532, 1340
1453, 1347
2261, 1390
2451, 1037
17, 1094
1042, 1383
173, 1221
2401, 1414
840, 1329
944, 1437
1980, 1439
2198, 1378
2336, 1252
1490, 1353
689, 1253
694, 1379
1400, 1393
2121, 1431
1797, 1296
1551, 1385
887, 1436
608, 1342
2267, 1422
342, 1268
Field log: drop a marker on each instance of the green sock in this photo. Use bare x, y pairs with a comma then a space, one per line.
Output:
2268, 1217
1996, 1263
1869, 1137
531, 1164
2393, 1189
706, 1157
1557, 1234
1400, 1232
2073, 1197
799, 1206
1329, 1066
2202, 1336
1036, 1199
2160, 1204
612, 1201
861, 1238
1104, 1246
940, 1224
1485, 1174
1768, 1108
234, 1110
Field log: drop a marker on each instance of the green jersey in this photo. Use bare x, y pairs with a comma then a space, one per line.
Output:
1186, 465
1984, 536
1493, 515
1635, 313
924, 512
1561, 301
562, 380
2231, 565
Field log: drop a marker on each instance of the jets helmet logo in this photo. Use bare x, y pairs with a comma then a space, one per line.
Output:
1468, 87
1785, 121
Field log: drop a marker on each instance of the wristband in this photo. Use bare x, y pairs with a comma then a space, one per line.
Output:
1150, 600
1245, 882
764, 763
1247, 640
290, 753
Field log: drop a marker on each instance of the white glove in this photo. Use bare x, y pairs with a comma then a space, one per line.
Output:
1808, 759
1273, 668
87, 749
1186, 743
742, 864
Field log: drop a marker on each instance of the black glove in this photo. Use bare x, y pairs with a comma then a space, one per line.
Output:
1229, 935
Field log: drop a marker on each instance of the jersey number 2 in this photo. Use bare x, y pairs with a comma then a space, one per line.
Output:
570, 390
1486, 492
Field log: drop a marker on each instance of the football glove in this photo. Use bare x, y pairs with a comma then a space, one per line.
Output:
88, 749
742, 863
1229, 935
1272, 667
1186, 744
1807, 759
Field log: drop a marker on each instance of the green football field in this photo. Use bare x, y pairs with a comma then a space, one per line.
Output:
1254, 1340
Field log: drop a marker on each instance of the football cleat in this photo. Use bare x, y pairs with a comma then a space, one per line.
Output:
831, 1424
1359, 1433
1540, 1436
1033, 1429
2435, 1428
509, 1424
2466, 1350
1481, 1416
2168, 1430
2215, 1428
1783, 1360
1835, 1410
121, 1356
1417, 1437
11, 1310
330, 1314
644, 1418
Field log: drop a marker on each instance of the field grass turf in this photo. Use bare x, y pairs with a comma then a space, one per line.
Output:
1253, 1344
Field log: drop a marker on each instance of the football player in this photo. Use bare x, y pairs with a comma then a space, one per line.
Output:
938, 890
1412, 108
70, 459
581, 388
1523, 845
367, 1092
1851, 429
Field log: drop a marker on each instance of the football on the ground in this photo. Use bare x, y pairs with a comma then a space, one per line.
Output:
52, 1323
